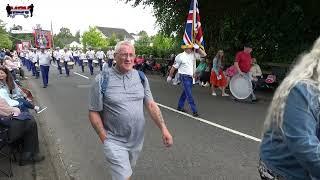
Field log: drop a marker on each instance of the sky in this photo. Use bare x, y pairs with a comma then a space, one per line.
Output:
80, 14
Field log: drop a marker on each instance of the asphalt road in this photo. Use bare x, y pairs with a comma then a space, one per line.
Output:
200, 151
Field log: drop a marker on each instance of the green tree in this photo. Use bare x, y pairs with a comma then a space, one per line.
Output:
144, 39
278, 29
63, 38
162, 45
5, 41
112, 41
94, 38
77, 36
142, 45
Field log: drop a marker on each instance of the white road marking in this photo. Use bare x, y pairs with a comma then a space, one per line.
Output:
81, 75
200, 119
213, 124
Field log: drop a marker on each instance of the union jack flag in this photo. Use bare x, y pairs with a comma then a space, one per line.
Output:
193, 31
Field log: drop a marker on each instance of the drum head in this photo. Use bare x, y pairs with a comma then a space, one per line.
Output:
240, 86
95, 61
70, 63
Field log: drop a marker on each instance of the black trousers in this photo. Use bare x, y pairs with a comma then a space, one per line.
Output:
27, 130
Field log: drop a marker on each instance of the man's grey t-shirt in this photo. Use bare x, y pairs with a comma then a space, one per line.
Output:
121, 106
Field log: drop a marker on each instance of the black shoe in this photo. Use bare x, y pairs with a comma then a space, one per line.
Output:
26, 158
181, 110
44, 86
38, 157
195, 114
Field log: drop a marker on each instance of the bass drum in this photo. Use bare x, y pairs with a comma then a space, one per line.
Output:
95, 63
70, 65
85, 62
240, 86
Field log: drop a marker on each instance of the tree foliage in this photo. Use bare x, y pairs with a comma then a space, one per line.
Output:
5, 41
64, 37
159, 45
112, 41
77, 36
17, 38
94, 39
278, 29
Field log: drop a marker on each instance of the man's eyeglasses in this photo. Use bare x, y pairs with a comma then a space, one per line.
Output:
126, 55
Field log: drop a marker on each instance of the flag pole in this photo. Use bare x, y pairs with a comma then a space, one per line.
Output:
193, 36
194, 25
52, 36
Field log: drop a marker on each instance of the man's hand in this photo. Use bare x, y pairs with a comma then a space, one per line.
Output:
156, 116
167, 138
102, 136
97, 124
169, 79
241, 73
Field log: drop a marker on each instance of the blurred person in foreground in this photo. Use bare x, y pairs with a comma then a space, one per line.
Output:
290, 147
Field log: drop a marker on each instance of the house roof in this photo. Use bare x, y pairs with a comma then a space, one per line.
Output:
107, 31
75, 44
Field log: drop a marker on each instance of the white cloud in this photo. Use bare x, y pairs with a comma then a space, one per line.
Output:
80, 14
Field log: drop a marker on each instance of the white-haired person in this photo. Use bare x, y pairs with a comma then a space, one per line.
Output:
290, 147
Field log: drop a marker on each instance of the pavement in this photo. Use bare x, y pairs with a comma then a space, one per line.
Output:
222, 144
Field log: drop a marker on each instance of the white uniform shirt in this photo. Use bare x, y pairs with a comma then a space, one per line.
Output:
110, 54
83, 56
27, 54
100, 55
44, 58
32, 56
90, 54
57, 55
76, 53
22, 54
66, 56
185, 63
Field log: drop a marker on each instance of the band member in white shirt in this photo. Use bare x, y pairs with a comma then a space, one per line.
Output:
44, 59
76, 54
110, 55
34, 60
67, 57
57, 55
90, 57
100, 56
28, 61
82, 57
22, 56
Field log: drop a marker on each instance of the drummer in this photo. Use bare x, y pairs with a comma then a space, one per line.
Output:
243, 63
100, 55
57, 55
33, 58
67, 57
82, 57
90, 56
44, 59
